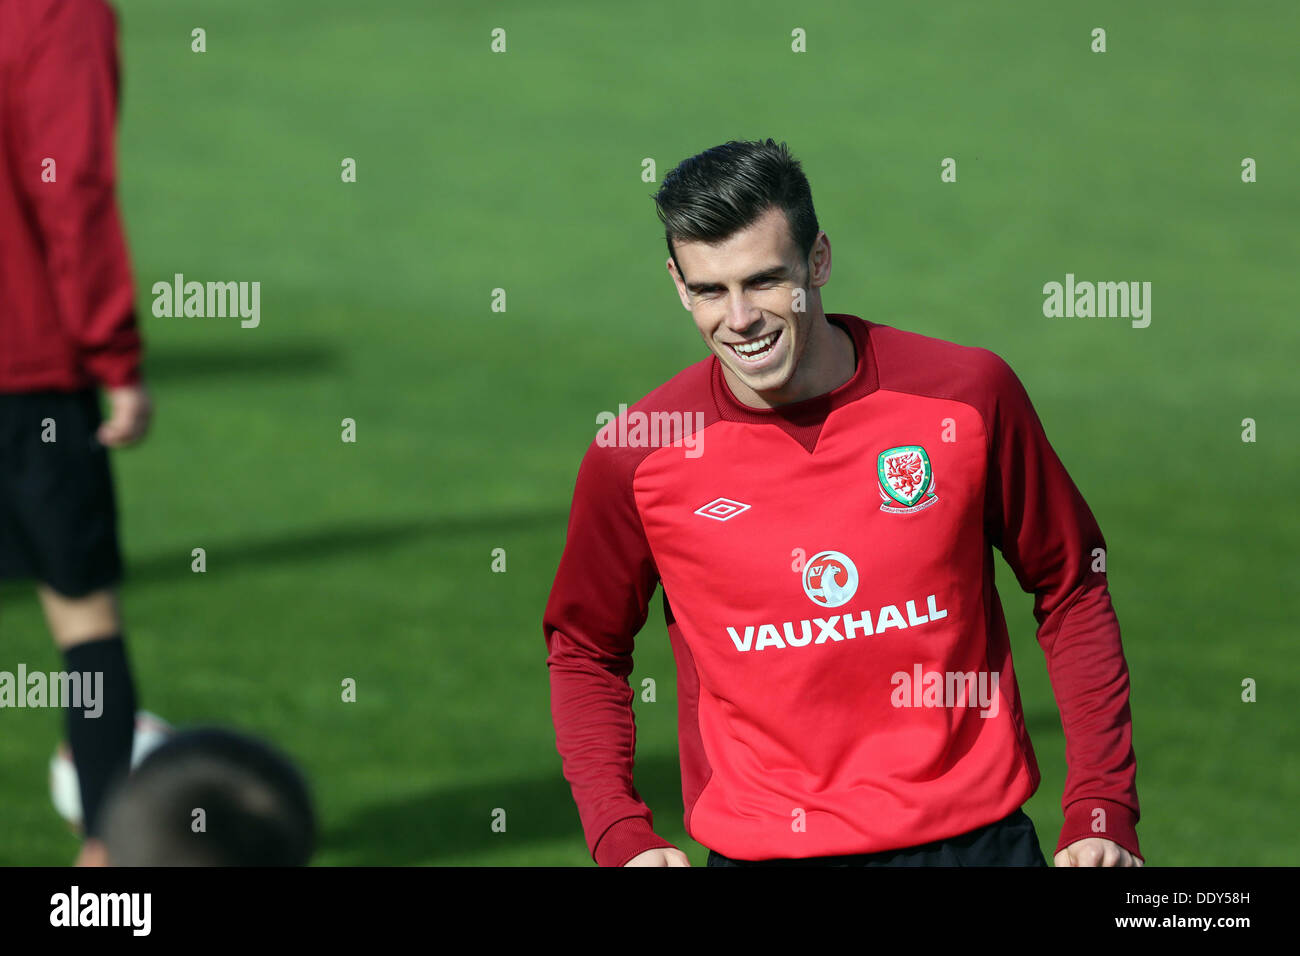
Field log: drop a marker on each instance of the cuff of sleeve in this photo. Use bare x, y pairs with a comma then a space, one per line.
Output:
624, 840
116, 363
114, 370
119, 379
1116, 822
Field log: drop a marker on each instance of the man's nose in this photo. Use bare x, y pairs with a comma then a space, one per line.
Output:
742, 315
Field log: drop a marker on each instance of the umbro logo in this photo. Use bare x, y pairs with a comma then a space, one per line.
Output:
722, 509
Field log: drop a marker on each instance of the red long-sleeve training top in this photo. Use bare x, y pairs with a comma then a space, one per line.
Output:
845, 681
67, 316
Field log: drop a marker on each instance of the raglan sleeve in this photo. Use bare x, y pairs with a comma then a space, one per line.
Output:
1040, 522
67, 100
598, 603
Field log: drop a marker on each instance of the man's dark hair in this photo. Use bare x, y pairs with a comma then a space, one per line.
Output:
724, 189
257, 810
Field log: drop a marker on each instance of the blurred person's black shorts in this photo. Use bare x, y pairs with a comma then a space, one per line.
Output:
58, 515
1010, 841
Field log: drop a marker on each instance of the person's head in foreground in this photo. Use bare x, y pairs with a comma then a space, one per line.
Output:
749, 260
208, 797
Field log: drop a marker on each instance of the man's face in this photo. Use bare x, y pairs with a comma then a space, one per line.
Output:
741, 294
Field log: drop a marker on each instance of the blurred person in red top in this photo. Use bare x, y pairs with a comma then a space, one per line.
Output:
67, 330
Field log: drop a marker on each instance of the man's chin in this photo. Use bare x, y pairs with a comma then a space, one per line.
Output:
768, 383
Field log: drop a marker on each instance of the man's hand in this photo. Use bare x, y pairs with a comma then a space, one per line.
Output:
129, 412
659, 856
1096, 851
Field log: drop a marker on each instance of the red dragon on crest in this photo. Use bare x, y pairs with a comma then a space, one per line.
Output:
906, 472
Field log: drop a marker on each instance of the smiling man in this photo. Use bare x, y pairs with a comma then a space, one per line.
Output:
846, 693
782, 356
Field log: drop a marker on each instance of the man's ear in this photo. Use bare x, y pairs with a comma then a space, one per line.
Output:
819, 262
678, 281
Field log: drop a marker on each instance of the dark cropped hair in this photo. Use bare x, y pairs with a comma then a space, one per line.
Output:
257, 805
724, 189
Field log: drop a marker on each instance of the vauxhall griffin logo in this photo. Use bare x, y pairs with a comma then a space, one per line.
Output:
830, 579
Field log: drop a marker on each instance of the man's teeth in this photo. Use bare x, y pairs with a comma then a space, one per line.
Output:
756, 346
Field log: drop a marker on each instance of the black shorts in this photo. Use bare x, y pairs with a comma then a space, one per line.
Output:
58, 515
1010, 841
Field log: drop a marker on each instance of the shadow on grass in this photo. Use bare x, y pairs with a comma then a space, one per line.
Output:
168, 364
457, 821
322, 543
